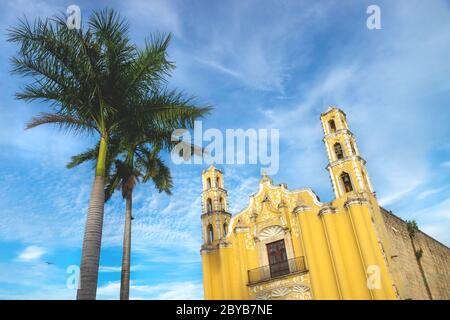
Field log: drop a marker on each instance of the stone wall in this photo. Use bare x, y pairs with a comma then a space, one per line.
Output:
435, 261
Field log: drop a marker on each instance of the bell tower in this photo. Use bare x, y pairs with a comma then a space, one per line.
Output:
346, 167
215, 216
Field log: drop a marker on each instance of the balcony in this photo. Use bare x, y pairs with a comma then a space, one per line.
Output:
277, 270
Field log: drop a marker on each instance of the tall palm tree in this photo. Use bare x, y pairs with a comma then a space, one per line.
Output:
131, 166
95, 81
141, 164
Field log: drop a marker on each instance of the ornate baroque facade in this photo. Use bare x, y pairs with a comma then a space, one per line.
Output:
289, 245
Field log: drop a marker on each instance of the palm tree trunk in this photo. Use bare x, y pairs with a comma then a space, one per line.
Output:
90, 256
126, 255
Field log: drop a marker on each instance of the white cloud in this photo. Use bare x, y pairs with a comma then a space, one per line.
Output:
109, 291
109, 269
13, 9
185, 290
155, 15
259, 59
438, 231
240, 188
434, 219
113, 269
220, 68
33, 280
31, 253
390, 198
59, 220
430, 192
160, 220
382, 79
436, 210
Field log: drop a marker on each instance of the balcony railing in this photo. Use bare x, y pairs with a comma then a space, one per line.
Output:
291, 266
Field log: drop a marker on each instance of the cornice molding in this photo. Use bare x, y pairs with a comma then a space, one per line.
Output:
241, 229
331, 109
211, 168
215, 212
337, 133
327, 210
224, 244
282, 204
215, 189
345, 159
301, 208
207, 248
356, 201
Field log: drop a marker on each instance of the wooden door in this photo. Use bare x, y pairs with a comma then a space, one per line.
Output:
278, 262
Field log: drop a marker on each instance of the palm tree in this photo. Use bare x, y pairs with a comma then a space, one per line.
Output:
141, 164
131, 166
95, 81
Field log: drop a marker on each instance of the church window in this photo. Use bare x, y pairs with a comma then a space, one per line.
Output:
278, 262
225, 229
221, 207
338, 151
332, 126
218, 182
208, 183
209, 205
347, 182
210, 233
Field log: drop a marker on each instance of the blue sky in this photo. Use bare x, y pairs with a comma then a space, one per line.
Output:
262, 64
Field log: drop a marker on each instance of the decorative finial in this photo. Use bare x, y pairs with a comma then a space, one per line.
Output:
265, 177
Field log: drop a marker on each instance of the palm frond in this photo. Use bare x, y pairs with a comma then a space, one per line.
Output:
64, 122
170, 109
153, 168
89, 155
151, 66
163, 179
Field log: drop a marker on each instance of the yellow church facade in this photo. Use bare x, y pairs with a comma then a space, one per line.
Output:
287, 244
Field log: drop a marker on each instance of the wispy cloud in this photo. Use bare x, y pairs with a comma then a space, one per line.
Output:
221, 68
157, 15
33, 280
31, 253
119, 269
424, 194
438, 231
392, 197
162, 291
272, 66
252, 44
